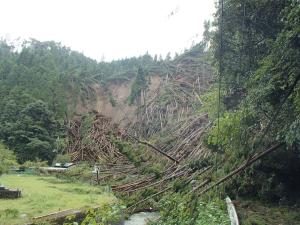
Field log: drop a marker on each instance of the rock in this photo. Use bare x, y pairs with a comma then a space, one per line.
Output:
23, 216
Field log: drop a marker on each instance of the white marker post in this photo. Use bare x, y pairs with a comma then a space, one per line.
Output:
232, 212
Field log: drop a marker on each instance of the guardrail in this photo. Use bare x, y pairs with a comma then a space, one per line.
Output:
232, 212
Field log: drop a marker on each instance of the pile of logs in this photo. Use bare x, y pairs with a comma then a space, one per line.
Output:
168, 114
90, 139
177, 97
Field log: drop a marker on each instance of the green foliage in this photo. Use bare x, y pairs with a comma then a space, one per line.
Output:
198, 164
255, 212
177, 209
293, 133
154, 168
35, 164
212, 213
60, 144
105, 215
231, 133
112, 100
82, 172
140, 84
133, 154
209, 101
147, 192
260, 94
138, 156
85, 129
8, 214
32, 134
7, 159
179, 185
62, 158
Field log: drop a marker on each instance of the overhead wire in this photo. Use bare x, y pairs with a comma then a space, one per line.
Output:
220, 71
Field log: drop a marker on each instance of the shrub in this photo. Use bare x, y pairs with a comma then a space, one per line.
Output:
7, 159
187, 210
35, 164
82, 172
62, 158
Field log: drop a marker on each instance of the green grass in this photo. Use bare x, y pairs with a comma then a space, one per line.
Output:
43, 195
258, 213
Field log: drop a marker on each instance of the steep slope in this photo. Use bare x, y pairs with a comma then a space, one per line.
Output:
185, 78
111, 100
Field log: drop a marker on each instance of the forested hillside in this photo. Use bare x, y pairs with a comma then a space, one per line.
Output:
41, 83
44, 84
175, 134
258, 62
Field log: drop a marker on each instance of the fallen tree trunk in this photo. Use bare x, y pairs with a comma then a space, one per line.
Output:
151, 196
155, 148
249, 162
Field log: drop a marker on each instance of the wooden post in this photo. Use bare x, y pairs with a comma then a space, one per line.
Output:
97, 168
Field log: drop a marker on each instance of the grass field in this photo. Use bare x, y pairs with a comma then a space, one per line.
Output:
43, 195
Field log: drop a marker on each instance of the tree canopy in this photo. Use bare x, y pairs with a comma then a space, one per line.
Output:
260, 70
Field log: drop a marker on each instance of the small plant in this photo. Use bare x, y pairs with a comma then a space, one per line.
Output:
11, 213
126, 148
155, 169
199, 164
178, 185
112, 100
147, 192
105, 215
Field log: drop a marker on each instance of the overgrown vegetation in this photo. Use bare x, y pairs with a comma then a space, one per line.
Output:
257, 212
260, 91
186, 211
81, 172
7, 159
138, 87
109, 213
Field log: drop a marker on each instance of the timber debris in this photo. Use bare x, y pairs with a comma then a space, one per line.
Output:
169, 114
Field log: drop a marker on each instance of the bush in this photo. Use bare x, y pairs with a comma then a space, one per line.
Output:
7, 159
155, 169
62, 158
35, 164
104, 215
112, 100
82, 172
187, 210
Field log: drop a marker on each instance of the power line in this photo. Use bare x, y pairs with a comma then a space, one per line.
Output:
220, 69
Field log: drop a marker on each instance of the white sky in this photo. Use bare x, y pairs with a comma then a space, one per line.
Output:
110, 28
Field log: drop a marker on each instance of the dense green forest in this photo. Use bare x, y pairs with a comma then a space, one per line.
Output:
259, 69
253, 49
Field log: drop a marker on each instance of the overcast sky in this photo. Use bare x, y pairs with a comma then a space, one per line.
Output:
110, 28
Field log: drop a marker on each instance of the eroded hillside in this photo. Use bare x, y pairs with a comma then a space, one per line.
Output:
172, 92
111, 100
